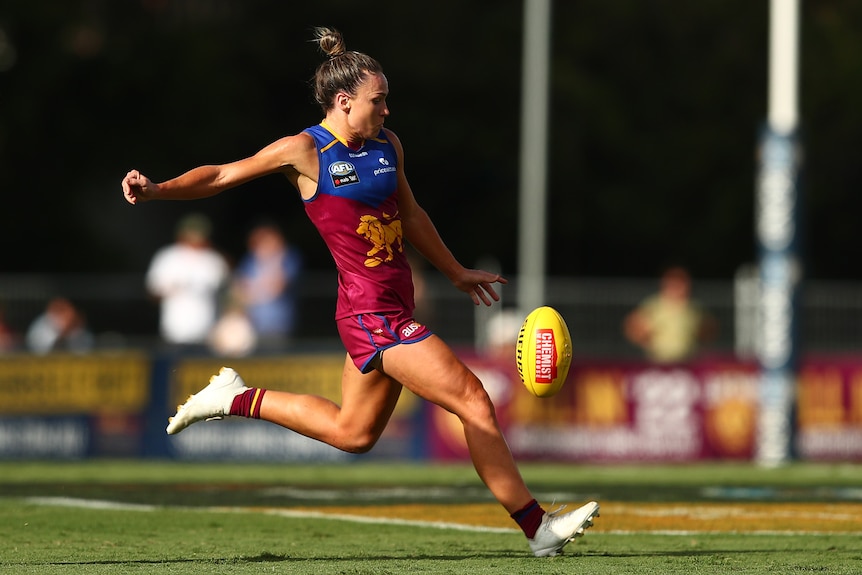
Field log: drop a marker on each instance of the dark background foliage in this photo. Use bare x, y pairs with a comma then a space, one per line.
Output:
656, 109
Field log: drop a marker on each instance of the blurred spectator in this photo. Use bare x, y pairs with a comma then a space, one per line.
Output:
502, 334
233, 334
669, 325
61, 327
187, 277
265, 282
8, 337
424, 304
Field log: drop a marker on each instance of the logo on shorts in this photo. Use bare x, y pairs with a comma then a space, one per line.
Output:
343, 173
410, 329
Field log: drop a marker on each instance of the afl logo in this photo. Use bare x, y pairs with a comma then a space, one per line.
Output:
341, 168
343, 173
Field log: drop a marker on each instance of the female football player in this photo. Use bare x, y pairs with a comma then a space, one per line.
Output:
349, 173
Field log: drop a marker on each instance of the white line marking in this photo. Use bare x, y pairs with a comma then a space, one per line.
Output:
90, 503
388, 521
117, 506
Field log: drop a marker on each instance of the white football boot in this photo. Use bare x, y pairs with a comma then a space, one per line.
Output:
212, 402
557, 530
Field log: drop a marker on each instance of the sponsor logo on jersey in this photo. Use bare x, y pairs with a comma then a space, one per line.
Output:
386, 167
546, 356
343, 173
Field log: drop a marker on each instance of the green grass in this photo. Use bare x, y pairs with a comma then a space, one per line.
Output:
186, 535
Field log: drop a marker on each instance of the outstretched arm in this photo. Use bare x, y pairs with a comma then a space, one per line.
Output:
201, 182
293, 155
422, 234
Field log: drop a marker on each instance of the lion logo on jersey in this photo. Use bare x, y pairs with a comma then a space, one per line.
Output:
385, 238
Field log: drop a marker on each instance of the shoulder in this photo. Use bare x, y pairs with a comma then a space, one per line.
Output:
396, 142
293, 146
164, 252
295, 153
651, 303
392, 137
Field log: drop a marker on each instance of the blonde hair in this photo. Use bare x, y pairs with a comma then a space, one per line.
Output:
342, 71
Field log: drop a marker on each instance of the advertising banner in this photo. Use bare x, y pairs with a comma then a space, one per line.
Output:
118, 404
829, 410
618, 412
72, 406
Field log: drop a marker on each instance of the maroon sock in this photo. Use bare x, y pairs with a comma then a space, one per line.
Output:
247, 403
529, 518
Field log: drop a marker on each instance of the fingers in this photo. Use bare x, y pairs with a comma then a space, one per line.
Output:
479, 285
489, 289
132, 177
481, 292
133, 185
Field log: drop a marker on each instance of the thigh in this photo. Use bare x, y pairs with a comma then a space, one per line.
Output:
430, 369
367, 399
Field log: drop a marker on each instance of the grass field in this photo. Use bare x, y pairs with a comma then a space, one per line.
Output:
164, 517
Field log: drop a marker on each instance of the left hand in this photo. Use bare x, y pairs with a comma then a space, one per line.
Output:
477, 283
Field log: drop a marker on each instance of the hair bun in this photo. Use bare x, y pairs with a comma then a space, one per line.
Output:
330, 41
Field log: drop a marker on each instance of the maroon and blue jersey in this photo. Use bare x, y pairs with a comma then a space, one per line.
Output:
355, 210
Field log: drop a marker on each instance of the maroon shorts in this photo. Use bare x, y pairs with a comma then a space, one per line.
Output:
366, 335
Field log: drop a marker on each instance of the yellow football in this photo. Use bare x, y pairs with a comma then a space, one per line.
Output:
544, 351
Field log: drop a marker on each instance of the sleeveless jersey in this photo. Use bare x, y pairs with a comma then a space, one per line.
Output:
355, 210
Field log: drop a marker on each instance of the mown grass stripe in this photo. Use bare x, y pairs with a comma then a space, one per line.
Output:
617, 519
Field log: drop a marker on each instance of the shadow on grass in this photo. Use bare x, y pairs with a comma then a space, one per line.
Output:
281, 558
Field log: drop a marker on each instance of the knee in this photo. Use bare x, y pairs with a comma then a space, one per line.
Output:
477, 405
358, 442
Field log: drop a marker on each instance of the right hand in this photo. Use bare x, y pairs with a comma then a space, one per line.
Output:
477, 283
138, 188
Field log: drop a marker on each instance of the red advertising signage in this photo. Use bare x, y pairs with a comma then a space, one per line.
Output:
639, 412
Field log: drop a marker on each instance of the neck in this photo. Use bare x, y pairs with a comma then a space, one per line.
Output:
353, 143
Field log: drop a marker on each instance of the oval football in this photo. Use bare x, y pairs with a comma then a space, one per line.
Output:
544, 352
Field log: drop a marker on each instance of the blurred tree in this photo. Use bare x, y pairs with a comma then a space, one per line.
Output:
655, 113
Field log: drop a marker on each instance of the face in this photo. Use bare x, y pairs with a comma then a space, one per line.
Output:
676, 285
367, 108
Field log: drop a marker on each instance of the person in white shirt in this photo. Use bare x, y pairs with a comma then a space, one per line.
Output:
187, 277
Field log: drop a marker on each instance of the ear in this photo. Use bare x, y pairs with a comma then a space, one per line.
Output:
342, 102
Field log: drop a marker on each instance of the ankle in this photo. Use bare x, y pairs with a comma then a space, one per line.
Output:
247, 403
529, 518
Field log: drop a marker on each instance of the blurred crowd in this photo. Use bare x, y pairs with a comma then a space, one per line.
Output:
60, 326
209, 303
206, 302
